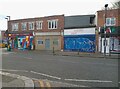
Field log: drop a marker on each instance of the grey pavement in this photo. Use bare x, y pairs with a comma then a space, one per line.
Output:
16, 81
70, 53
84, 54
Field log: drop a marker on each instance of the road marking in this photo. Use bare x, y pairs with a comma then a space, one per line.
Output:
13, 70
8, 53
48, 84
46, 75
77, 80
27, 57
67, 84
41, 84
118, 82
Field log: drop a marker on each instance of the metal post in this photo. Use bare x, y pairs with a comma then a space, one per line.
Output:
8, 17
101, 44
53, 48
106, 5
78, 51
8, 45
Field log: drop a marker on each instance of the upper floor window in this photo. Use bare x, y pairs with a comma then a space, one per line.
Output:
15, 27
31, 25
110, 21
39, 24
92, 20
52, 24
24, 26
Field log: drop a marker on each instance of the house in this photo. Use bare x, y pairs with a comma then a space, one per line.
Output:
41, 33
79, 33
112, 30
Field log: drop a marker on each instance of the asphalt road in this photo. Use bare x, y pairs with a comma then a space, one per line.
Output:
85, 71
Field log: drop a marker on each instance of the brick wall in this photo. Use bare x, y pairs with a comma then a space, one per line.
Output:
2, 34
44, 25
110, 13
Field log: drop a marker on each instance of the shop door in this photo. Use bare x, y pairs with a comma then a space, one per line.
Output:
47, 44
107, 45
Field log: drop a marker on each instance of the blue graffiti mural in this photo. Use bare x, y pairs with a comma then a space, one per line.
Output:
81, 43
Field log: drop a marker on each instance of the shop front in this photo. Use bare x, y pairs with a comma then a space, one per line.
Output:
81, 39
112, 40
23, 41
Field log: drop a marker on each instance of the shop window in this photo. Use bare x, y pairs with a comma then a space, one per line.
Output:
40, 42
105, 42
55, 42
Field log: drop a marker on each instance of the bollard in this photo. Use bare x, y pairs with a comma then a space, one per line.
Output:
78, 51
109, 52
53, 50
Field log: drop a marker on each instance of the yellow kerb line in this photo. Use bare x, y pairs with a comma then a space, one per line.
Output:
48, 85
41, 83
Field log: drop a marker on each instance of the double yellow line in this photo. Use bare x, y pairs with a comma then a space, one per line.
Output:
45, 84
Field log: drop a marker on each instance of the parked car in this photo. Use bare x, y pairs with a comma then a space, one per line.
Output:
2, 45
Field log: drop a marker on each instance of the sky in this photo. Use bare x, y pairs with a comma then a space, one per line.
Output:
20, 9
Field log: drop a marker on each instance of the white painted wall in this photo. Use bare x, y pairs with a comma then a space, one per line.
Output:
107, 46
80, 31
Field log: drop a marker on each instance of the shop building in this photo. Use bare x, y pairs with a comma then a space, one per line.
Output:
50, 35
79, 33
112, 30
42, 33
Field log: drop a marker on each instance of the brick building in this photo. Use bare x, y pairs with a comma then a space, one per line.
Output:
112, 30
41, 33
3, 35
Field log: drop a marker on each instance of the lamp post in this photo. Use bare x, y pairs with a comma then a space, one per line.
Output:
7, 32
106, 5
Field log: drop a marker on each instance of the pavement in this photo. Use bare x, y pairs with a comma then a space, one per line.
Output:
84, 54
14, 81
71, 53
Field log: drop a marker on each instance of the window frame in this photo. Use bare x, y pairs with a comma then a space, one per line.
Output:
53, 24
111, 20
41, 42
15, 26
30, 23
25, 24
39, 25
56, 41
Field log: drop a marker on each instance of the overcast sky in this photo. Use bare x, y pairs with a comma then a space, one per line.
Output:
19, 9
